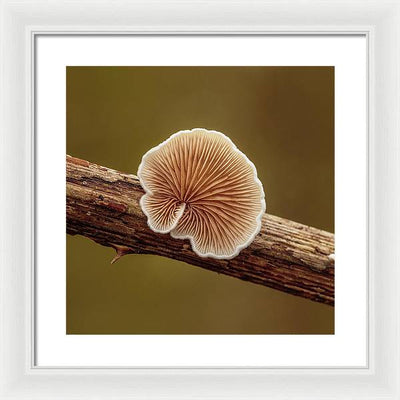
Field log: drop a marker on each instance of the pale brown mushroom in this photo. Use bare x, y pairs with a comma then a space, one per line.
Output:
200, 187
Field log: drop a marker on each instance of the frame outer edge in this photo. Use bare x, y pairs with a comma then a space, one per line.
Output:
15, 317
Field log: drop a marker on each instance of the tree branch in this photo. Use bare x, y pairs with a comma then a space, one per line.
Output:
103, 205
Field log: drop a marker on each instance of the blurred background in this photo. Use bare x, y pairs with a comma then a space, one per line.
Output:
282, 118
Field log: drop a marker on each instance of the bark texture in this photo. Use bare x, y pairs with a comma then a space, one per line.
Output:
103, 205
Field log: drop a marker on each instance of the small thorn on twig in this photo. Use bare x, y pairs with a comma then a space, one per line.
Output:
121, 251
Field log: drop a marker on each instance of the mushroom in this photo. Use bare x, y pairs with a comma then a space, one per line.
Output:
199, 186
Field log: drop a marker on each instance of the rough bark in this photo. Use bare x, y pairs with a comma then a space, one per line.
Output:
103, 205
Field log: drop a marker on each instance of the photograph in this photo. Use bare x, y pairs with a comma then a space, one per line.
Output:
200, 200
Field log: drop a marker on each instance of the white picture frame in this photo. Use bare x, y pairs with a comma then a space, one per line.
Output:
20, 21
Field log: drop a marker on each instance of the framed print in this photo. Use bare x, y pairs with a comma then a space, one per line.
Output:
199, 206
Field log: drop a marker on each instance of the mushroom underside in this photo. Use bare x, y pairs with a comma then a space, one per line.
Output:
199, 186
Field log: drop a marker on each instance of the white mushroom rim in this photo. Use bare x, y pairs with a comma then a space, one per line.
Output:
199, 186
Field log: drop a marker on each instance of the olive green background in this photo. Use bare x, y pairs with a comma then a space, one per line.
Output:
282, 118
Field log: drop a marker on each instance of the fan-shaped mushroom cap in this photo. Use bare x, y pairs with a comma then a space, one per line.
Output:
199, 186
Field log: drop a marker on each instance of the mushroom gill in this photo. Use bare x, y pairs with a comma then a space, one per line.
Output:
199, 186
